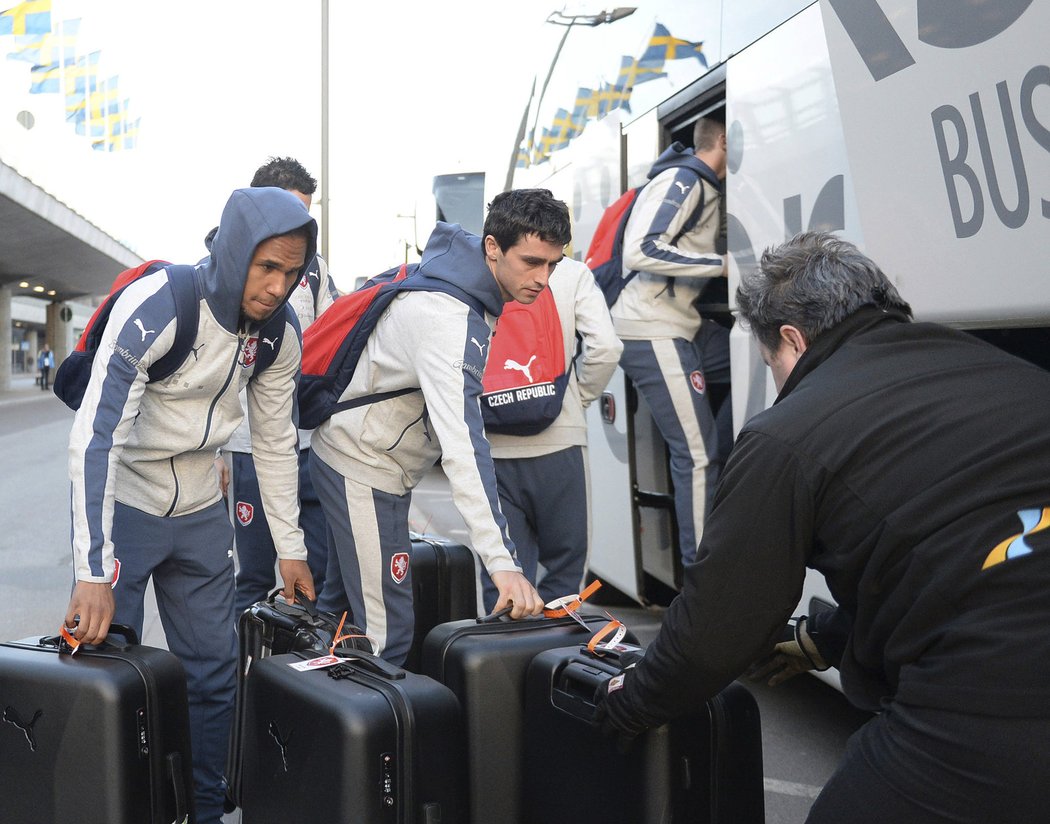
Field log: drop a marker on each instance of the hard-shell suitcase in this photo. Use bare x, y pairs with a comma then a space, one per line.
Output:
484, 662
99, 737
274, 627
701, 769
444, 587
350, 738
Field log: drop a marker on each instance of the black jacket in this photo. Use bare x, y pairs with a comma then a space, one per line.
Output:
902, 461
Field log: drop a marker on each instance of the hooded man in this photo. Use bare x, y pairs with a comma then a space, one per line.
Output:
670, 353
366, 460
145, 493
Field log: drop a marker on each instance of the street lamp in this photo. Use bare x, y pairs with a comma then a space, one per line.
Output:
568, 21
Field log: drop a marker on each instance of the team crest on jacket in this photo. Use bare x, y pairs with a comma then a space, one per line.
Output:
245, 512
305, 282
399, 567
251, 349
696, 378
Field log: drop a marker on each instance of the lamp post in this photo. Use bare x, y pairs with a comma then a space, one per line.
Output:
568, 21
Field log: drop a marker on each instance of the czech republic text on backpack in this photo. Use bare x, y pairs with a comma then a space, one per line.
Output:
525, 377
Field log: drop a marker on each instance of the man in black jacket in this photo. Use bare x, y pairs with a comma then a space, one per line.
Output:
906, 462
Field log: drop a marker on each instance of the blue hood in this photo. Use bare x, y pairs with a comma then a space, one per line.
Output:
250, 217
675, 156
456, 256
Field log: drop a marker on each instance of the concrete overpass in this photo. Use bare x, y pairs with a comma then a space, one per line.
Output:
51, 253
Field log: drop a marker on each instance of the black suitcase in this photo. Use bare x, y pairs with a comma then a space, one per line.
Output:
701, 769
375, 745
484, 663
100, 737
444, 587
274, 627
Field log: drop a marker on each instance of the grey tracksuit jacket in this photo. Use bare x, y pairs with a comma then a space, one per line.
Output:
152, 446
433, 341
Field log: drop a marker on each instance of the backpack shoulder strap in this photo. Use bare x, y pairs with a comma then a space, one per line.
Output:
617, 247
183, 285
423, 283
694, 218
273, 329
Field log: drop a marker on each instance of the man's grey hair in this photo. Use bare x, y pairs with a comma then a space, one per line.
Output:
812, 282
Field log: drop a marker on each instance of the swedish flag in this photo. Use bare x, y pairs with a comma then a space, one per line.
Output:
563, 129
52, 47
31, 17
586, 108
633, 73
663, 47
131, 133
610, 98
45, 79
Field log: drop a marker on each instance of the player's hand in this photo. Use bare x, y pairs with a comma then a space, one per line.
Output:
296, 576
94, 605
516, 592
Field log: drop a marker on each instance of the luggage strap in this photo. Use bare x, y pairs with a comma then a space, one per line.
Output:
568, 604
339, 637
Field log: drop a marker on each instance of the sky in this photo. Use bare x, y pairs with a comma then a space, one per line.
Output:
416, 89
222, 86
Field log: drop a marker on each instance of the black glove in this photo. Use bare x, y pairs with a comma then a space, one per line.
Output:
613, 713
795, 652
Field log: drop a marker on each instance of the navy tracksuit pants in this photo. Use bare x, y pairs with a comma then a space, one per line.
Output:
545, 502
256, 554
672, 374
369, 560
190, 558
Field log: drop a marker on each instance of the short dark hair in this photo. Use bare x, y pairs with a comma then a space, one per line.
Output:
706, 132
812, 282
285, 173
515, 214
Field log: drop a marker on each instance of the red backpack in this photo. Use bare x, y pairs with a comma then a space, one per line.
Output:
525, 375
605, 254
332, 345
74, 373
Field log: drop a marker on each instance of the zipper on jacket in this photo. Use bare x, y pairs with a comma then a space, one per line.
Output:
404, 432
175, 480
242, 338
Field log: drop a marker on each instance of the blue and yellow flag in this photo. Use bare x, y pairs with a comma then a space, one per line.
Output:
44, 49
45, 79
99, 101
83, 77
586, 108
662, 47
633, 73
31, 17
131, 133
610, 98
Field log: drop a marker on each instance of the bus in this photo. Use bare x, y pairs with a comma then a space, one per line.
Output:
917, 129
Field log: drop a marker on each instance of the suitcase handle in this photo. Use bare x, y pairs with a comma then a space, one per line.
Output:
131, 638
575, 690
372, 664
310, 607
503, 617
302, 600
